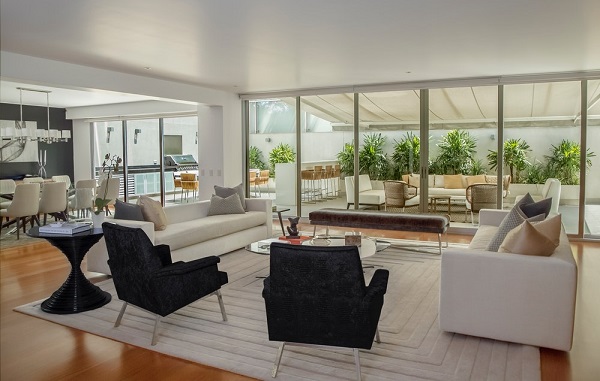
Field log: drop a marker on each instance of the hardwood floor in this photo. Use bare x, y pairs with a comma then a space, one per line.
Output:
34, 349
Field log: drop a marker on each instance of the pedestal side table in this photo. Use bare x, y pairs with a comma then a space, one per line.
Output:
77, 294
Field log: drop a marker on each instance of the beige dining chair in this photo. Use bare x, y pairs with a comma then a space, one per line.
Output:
24, 206
83, 199
7, 187
64, 179
29, 180
54, 201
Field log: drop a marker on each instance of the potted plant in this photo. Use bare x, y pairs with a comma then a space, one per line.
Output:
282, 153
406, 155
372, 160
256, 158
109, 165
564, 162
515, 158
346, 159
457, 152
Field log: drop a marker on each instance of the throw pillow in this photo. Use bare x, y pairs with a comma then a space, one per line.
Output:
226, 192
478, 179
550, 227
227, 205
527, 239
535, 208
153, 212
453, 182
513, 219
414, 180
126, 211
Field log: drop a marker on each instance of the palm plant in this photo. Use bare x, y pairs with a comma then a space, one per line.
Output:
256, 158
282, 153
373, 161
457, 151
346, 159
564, 162
406, 155
515, 157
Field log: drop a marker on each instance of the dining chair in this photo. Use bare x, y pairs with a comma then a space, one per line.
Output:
189, 182
7, 189
176, 185
82, 200
24, 206
63, 178
53, 201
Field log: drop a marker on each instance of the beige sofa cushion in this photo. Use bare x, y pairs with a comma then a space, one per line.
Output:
478, 179
189, 233
453, 181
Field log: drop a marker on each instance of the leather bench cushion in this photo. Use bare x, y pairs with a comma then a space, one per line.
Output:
188, 233
379, 220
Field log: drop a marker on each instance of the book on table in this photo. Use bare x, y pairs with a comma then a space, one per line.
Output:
67, 228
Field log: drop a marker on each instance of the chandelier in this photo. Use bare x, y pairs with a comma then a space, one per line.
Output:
23, 133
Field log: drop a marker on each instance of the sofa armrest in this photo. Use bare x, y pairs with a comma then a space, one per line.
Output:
510, 297
262, 205
492, 217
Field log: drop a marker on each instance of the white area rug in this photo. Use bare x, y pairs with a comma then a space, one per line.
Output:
412, 347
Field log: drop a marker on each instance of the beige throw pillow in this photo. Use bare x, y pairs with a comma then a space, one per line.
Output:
414, 180
478, 179
526, 239
153, 212
453, 182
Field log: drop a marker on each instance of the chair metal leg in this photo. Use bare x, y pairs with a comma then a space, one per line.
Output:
118, 322
155, 332
357, 363
377, 338
220, 297
277, 360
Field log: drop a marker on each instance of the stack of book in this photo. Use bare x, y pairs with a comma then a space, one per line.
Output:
66, 228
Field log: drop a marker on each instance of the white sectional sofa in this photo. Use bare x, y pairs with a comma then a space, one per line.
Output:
510, 297
369, 192
192, 234
440, 185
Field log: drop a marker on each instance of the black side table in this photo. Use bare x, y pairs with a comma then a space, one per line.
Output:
77, 294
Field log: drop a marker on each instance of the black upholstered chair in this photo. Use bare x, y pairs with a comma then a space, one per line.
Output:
145, 276
317, 295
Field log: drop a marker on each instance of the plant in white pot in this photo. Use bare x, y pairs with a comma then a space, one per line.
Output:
109, 165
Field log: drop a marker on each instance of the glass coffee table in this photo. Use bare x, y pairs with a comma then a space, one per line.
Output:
368, 247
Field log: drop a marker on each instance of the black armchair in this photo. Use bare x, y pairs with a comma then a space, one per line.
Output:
317, 295
145, 276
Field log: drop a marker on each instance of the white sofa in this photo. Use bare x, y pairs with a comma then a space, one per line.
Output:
192, 234
510, 297
437, 185
369, 192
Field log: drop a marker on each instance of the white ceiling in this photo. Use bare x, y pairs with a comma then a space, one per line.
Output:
262, 45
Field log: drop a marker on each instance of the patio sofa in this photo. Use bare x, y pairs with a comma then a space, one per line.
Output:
192, 234
370, 193
511, 297
454, 185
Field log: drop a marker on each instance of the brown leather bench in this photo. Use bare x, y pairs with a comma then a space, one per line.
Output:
370, 219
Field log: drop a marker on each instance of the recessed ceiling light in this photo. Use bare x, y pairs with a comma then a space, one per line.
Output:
147, 68
408, 72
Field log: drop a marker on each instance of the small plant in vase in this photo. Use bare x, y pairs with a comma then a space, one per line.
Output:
109, 165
